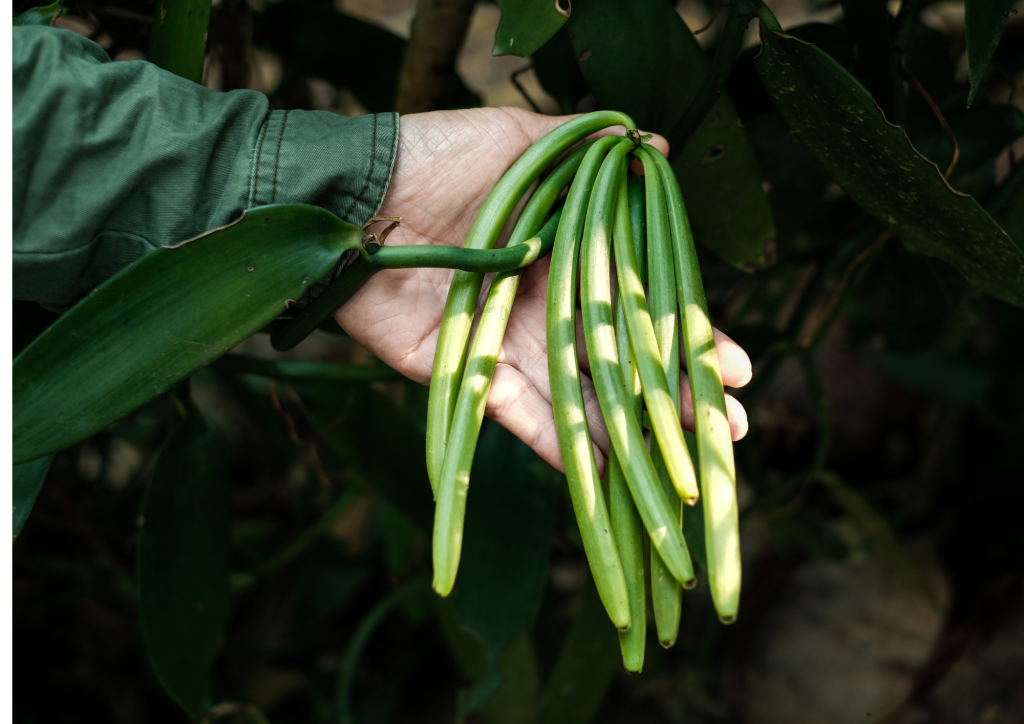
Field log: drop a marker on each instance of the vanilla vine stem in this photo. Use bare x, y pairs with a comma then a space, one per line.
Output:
379, 258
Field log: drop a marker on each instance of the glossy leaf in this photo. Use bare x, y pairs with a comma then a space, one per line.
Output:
984, 21
184, 546
873, 161
177, 41
506, 547
586, 663
26, 482
43, 15
158, 321
526, 25
317, 40
640, 58
375, 439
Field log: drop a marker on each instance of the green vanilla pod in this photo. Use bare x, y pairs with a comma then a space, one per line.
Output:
714, 438
664, 413
666, 591
161, 319
464, 293
574, 442
627, 527
624, 430
452, 488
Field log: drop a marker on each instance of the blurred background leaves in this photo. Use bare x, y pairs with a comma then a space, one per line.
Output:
879, 484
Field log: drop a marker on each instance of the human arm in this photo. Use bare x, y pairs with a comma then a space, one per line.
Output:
112, 160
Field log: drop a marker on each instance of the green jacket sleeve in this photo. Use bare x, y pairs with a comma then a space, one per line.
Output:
112, 160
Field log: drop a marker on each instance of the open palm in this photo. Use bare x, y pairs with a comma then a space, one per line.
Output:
447, 163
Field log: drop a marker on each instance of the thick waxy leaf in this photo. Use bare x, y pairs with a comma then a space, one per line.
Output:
984, 20
44, 15
377, 441
875, 163
640, 58
585, 665
506, 547
27, 480
157, 322
184, 546
177, 41
315, 39
526, 25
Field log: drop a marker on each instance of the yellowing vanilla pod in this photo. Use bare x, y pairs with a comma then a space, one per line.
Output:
459, 309
714, 438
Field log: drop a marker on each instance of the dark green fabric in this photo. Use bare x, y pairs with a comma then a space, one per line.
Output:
112, 160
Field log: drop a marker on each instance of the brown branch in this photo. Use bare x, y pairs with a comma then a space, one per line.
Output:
293, 433
428, 71
812, 338
906, 76
519, 87
711, 20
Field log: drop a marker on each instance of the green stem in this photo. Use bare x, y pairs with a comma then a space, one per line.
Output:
360, 638
768, 18
299, 546
740, 13
408, 257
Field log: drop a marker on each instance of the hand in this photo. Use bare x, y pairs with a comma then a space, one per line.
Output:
447, 163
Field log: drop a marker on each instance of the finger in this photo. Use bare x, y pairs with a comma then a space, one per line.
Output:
528, 358
518, 405
738, 424
735, 364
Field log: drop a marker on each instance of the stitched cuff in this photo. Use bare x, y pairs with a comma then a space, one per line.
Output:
316, 157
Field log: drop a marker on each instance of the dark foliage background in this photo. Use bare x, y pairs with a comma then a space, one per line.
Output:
881, 482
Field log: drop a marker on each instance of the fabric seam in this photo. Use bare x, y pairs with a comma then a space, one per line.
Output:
369, 172
277, 158
255, 181
391, 166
